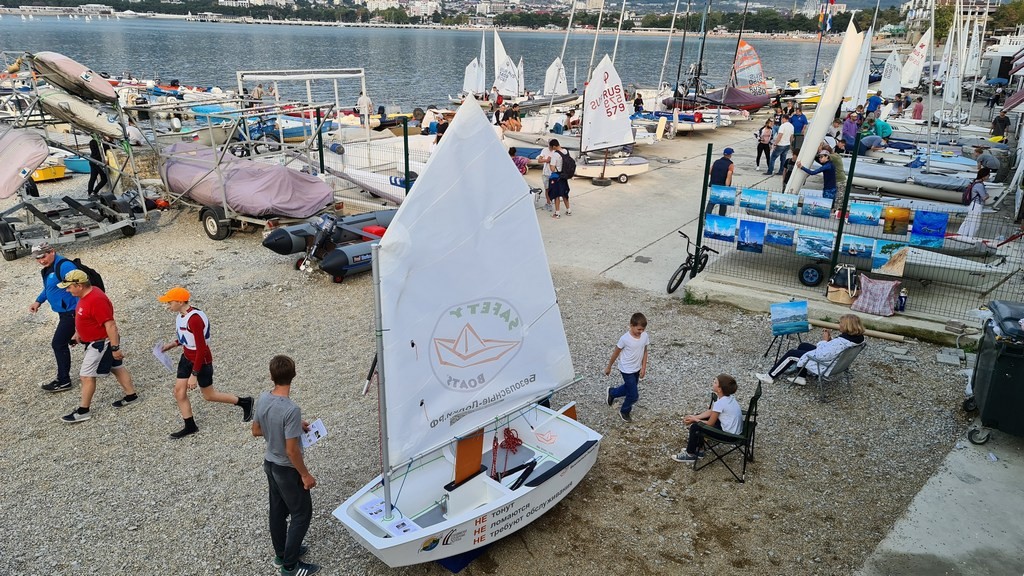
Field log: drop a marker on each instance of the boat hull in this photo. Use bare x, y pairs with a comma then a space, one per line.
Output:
481, 510
620, 169
348, 251
77, 112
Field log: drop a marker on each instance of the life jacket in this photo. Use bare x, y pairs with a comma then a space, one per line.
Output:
185, 337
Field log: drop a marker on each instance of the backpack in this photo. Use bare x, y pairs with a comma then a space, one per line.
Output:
568, 165
968, 194
499, 100
94, 277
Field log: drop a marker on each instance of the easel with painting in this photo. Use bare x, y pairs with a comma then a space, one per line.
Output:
789, 319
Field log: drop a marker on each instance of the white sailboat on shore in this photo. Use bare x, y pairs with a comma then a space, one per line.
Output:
607, 127
469, 338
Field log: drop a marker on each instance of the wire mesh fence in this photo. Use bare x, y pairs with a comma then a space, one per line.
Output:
792, 242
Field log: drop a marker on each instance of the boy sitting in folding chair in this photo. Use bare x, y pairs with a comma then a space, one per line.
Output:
724, 414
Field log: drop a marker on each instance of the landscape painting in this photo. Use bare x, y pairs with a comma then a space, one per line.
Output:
779, 234
783, 203
897, 220
857, 246
869, 214
720, 228
750, 237
929, 229
723, 195
817, 206
889, 258
756, 199
789, 318
815, 244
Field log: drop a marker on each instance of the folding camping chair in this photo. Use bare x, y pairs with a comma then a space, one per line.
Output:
833, 370
719, 443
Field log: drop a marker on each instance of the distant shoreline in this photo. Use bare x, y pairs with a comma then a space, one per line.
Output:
760, 36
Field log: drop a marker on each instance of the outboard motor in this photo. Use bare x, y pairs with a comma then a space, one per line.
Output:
324, 226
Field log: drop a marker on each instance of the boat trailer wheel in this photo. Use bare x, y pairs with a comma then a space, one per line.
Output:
811, 275
623, 178
213, 225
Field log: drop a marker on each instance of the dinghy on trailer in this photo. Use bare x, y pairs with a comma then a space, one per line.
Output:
469, 338
80, 113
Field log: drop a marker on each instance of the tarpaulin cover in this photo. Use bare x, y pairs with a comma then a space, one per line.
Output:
74, 77
20, 154
249, 188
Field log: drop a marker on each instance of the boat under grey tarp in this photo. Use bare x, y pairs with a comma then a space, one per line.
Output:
906, 181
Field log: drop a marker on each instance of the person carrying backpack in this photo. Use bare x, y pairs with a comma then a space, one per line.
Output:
563, 167
978, 196
54, 268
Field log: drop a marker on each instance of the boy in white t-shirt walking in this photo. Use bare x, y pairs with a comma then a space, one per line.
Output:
724, 414
631, 351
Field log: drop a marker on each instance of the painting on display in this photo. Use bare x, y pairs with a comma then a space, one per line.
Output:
779, 235
889, 258
720, 228
756, 199
723, 195
857, 246
868, 214
817, 206
897, 220
783, 203
929, 229
750, 237
790, 318
815, 244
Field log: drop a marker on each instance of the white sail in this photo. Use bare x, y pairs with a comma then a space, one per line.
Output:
521, 77
471, 325
554, 79
507, 80
890, 86
947, 51
499, 55
971, 65
472, 78
951, 81
856, 92
748, 71
914, 66
606, 122
831, 97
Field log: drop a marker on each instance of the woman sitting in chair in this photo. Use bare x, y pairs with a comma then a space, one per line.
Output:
851, 333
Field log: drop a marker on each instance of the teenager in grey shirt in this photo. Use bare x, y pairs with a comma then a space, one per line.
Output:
279, 421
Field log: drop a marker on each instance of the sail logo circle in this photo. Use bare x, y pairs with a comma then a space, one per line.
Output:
473, 342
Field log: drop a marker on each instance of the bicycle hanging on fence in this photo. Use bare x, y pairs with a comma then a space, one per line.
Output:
693, 265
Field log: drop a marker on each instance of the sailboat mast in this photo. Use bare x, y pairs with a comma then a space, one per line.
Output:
561, 58
931, 90
622, 15
821, 36
381, 394
668, 44
739, 38
981, 43
700, 55
682, 49
597, 34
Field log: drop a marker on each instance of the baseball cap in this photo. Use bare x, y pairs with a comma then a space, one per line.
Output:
74, 277
176, 294
728, 151
40, 250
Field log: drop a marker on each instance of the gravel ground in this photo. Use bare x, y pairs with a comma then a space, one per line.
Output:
114, 495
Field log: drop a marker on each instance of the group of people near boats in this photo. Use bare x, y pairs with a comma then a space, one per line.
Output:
86, 317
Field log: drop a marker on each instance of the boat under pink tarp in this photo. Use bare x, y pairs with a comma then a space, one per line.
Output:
72, 76
20, 154
249, 188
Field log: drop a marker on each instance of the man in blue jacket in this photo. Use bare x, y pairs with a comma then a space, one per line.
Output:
54, 268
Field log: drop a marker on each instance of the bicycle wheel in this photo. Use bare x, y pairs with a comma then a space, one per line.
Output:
701, 263
677, 278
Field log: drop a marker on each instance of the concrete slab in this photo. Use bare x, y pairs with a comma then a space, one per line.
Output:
905, 358
947, 359
897, 350
971, 359
958, 352
966, 520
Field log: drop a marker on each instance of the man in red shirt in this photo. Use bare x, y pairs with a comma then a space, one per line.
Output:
195, 368
96, 329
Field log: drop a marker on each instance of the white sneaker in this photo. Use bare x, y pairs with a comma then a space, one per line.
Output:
764, 378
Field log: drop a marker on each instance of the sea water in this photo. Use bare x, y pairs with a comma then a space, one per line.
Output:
407, 67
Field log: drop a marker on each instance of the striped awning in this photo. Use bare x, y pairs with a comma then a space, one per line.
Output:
1013, 101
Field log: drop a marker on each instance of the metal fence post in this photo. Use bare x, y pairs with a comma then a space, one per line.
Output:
842, 209
703, 199
319, 139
